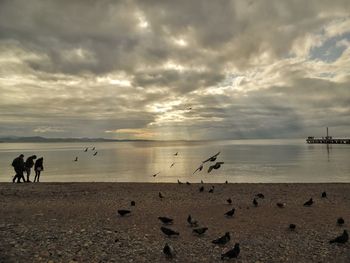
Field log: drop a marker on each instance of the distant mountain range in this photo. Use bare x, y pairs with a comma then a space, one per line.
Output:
43, 139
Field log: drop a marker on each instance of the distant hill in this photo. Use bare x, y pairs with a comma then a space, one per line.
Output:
43, 139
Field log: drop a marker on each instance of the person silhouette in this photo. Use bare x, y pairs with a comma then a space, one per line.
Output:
38, 167
19, 167
29, 165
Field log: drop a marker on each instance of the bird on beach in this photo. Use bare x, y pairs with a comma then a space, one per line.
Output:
215, 166
222, 240
198, 169
212, 158
281, 205
309, 202
123, 212
86, 149
230, 213
324, 195
95, 153
340, 221
260, 195
168, 251
132, 203
172, 165
166, 220
154, 175
232, 253
192, 223
292, 227
200, 231
255, 203
175, 154
211, 189
169, 232
201, 189
342, 239
226, 182
178, 181
161, 196
188, 183
76, 159
229, 201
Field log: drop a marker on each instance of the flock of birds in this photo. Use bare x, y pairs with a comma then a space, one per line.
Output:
85, 150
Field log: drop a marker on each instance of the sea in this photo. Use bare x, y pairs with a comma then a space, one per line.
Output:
244, 161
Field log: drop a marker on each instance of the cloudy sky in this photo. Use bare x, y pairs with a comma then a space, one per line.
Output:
155, 69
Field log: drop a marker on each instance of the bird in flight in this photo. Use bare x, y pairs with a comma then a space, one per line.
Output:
212, 158
215, 166
86, 149
198, 169
76, 159
95, 153
175, 154
309, 202
154, 175
172, 165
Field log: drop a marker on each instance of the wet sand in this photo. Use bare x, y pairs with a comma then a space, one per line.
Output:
77, 222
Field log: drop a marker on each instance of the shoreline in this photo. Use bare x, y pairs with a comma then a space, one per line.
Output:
77, 222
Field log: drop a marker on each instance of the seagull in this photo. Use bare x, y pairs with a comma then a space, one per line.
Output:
200, 231
169, 232
166, 220
160, 195
76, 159
198, 169
86, 149
168, 251
123, 212
292, 227
95, 153
233, 253
343, 238
212, 158
229, 201
215, 166
230, 213
193, 223
260, 195
340, 221
172, 165
255, 203
154, 175
309, 202
281, 205
175, 154
132, 203
222, 240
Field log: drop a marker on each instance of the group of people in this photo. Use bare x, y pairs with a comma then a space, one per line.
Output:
20, 166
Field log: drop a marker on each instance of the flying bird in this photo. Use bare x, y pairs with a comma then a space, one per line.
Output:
93, 149
222, 240
95, 153
123, 212
200, 231
86, 149
212, 158
230, 213
172, 165
343, 238
232, 253
198, 169
166, 220
76, 159
169, 232
154, 175
215, 166
175, 154
309, 202
168, 251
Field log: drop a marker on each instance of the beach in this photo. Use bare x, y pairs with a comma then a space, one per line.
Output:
78, 222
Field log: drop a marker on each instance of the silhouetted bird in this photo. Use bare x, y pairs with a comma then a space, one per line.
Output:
215, 166
168, 251
95, 153
178, 181
86, 149
340, 221
172, 165
309, 202
281, 205
226, 182
202, 182
166, 220
233, 253
324, 195
229, 201
154, 175
212, 158
193, 223
230, 213
292, 227
201, 189
160, 195
93, 149
176, 153
211, 190
188, 183
222, 240
132, 203
343, 238
198, 169
169, 232
260, 195
76, 159
255, 203
200, 231
123, 212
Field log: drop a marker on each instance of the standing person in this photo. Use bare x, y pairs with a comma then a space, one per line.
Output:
29, 165
18, 165
38, 167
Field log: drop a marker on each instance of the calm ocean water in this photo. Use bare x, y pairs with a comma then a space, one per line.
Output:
251, 161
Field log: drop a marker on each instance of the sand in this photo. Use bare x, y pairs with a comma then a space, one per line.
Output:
77, 222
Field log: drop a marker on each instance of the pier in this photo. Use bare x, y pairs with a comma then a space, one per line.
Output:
327, 140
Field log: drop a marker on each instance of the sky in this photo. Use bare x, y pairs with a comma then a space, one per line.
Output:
175, 70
